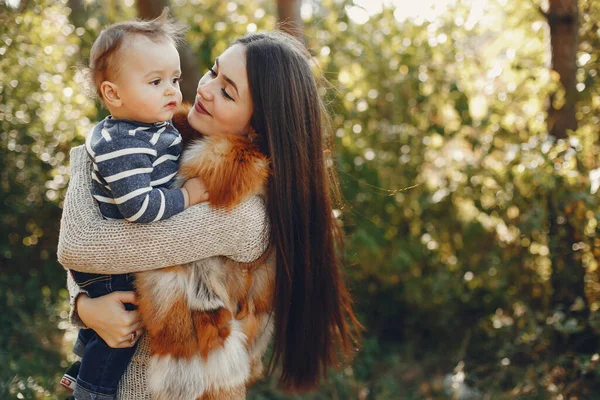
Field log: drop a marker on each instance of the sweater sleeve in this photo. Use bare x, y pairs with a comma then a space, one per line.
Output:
74, 292
130, 181
88, 243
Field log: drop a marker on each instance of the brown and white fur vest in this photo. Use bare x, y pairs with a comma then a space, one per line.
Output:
210, 321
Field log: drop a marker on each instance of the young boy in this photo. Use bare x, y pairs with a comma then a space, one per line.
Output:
134, 67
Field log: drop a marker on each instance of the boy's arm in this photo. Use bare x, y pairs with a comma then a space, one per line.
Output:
89, 243
129, 179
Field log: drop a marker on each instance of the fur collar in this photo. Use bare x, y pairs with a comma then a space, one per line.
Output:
232, 167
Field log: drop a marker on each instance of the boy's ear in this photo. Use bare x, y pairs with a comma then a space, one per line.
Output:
110, 94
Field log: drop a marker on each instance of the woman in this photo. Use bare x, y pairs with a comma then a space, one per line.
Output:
263, 81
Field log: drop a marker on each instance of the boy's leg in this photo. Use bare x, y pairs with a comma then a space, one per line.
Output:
69, 379
83, 337
101, 366
92, 284
101, 370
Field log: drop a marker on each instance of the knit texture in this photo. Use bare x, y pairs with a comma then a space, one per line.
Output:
74, 292
134, 385
89, 243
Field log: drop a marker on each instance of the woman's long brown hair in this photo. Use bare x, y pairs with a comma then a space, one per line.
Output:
314, 321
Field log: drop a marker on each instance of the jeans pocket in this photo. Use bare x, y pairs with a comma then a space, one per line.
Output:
90, 280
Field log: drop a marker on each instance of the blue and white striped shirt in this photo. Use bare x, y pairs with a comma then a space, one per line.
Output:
134, 167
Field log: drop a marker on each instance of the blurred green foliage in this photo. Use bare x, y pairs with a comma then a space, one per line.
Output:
452, 277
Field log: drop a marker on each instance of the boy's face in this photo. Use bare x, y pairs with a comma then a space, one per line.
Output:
147, 83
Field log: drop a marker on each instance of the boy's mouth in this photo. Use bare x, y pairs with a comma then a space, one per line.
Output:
172, 104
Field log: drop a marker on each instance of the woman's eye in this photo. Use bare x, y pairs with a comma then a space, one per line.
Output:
226, 95
212, 72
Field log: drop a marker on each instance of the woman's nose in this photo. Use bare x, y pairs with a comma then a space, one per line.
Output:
204, 92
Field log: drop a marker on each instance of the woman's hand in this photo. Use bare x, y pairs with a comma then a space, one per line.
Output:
107, 316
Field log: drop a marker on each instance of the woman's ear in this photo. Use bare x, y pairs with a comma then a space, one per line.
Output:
110, 94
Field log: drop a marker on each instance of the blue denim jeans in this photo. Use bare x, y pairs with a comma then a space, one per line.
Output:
101, 366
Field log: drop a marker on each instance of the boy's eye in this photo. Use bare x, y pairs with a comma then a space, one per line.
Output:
155, 82
177, 80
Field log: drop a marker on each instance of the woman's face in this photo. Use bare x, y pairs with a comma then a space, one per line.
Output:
223, 104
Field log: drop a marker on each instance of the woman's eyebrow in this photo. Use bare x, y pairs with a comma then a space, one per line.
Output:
232, 83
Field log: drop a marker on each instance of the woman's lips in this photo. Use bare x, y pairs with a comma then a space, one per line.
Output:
200, 108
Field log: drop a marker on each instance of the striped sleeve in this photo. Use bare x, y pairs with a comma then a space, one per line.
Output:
126, 164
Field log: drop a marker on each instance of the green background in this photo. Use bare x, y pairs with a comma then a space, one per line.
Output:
455, 279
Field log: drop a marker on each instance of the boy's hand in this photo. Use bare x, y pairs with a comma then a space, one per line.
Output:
196, 191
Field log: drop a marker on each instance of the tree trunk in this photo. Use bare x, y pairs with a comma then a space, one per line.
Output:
78, 15
563, 18
568, 271
290, 21
190, 71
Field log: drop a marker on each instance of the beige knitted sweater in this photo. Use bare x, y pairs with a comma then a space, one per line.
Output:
88, 243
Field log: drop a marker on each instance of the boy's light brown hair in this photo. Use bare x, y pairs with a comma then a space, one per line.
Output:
105, 51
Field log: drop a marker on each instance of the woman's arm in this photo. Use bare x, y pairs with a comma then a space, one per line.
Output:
106, 315
74, 292
88, 243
